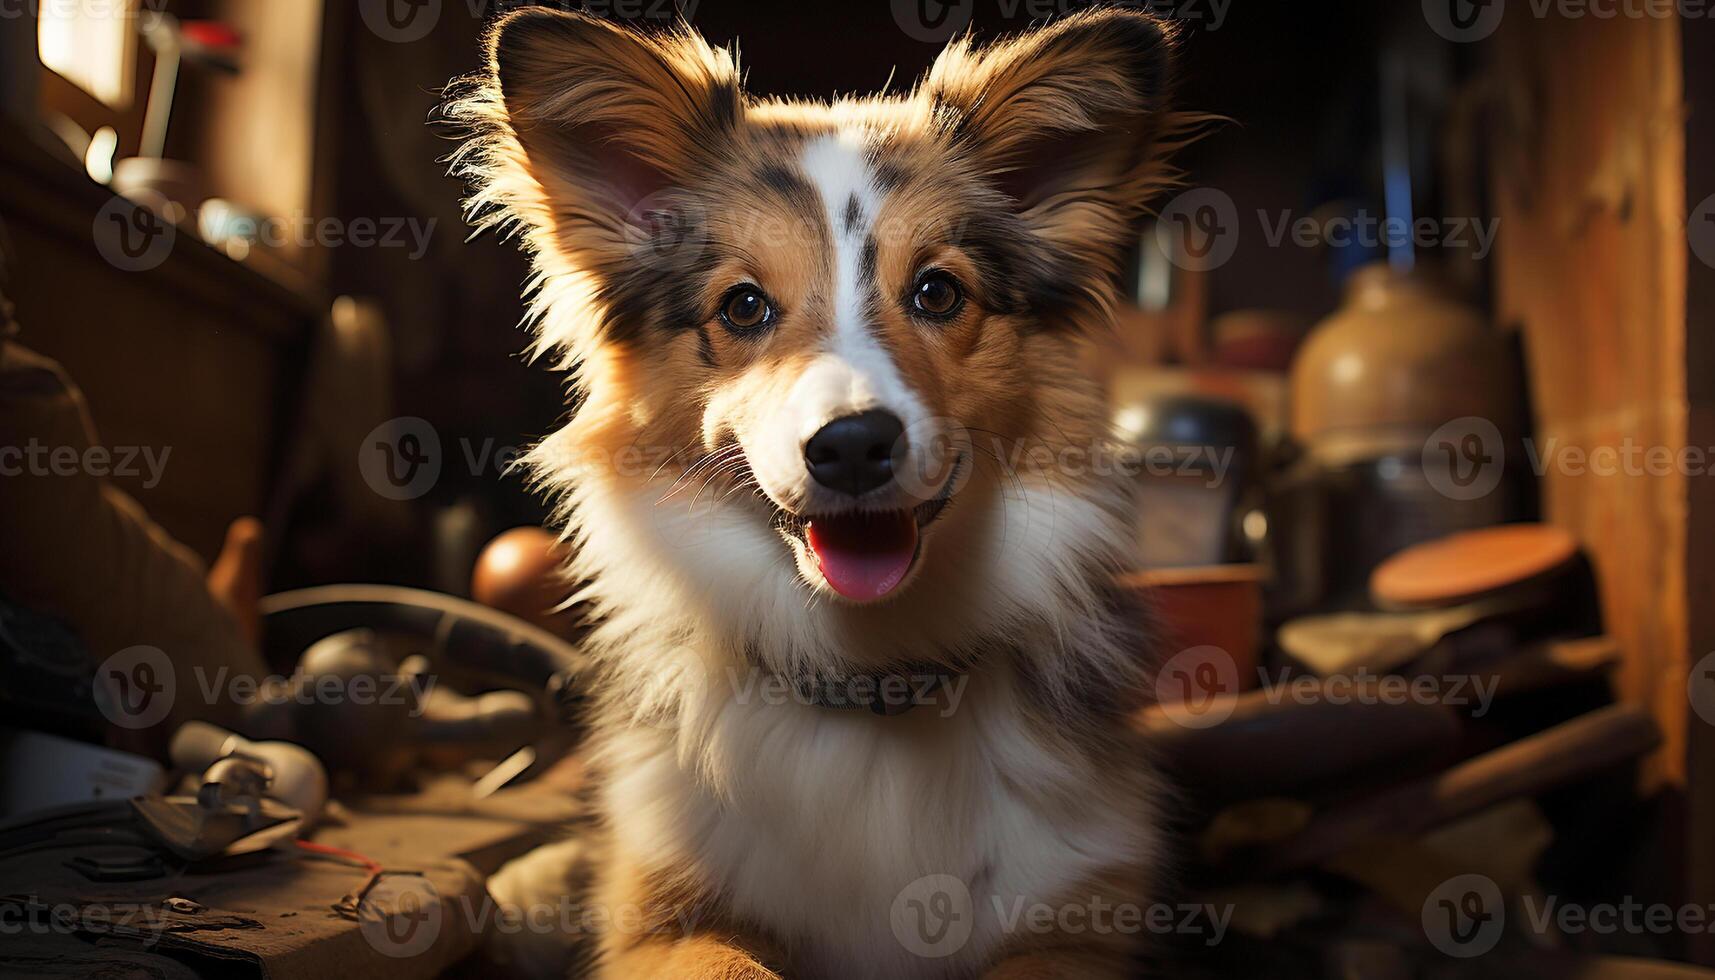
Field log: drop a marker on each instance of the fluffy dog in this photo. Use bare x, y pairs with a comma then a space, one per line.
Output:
863, 675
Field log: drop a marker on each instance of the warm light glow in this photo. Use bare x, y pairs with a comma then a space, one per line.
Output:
90, 43
98, 162
1348, 368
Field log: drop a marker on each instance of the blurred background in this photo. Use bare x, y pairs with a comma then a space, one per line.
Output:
1435, 294
296, 115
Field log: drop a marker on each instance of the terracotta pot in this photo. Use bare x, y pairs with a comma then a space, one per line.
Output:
1206, 606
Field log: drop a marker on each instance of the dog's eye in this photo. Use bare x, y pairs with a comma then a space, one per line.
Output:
746, 308
937, 294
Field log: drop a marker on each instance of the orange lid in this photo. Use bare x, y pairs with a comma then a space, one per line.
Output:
1470, 564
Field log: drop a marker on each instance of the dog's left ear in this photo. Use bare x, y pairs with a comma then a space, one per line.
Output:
581, 130
1066, 119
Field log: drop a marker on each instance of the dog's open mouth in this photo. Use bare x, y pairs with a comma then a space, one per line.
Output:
865, 555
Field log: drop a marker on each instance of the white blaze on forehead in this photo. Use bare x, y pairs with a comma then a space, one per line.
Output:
854, 373
857, 374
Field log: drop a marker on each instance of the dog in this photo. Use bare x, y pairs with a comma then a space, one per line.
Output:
863, 675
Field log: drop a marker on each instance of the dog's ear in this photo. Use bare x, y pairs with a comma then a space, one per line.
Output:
1067, 119
606, 123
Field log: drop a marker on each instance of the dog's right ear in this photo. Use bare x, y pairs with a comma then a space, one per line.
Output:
590, 126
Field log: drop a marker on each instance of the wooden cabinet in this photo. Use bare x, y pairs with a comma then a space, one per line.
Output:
199, 356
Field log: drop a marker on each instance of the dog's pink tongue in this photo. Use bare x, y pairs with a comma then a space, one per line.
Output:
864, 556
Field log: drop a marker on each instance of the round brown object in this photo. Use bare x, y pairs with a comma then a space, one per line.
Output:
1398, 359
1464, 566
523, 572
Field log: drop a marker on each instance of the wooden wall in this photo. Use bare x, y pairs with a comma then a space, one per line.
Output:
1607, 145
1700, 393
1590, 192
1605, 142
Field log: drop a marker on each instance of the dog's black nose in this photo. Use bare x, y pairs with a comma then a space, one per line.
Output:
855, 454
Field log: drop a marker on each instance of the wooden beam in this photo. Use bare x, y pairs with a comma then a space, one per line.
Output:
1699, 61
1589, 185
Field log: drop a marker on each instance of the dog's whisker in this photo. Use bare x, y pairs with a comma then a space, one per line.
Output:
709, 460
714, 474
664, 463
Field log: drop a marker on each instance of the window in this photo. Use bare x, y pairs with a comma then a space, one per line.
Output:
92, 44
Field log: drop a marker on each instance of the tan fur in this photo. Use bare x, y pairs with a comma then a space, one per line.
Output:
1019, 169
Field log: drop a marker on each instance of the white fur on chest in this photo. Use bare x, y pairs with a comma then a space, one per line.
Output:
812, 822
815, 820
